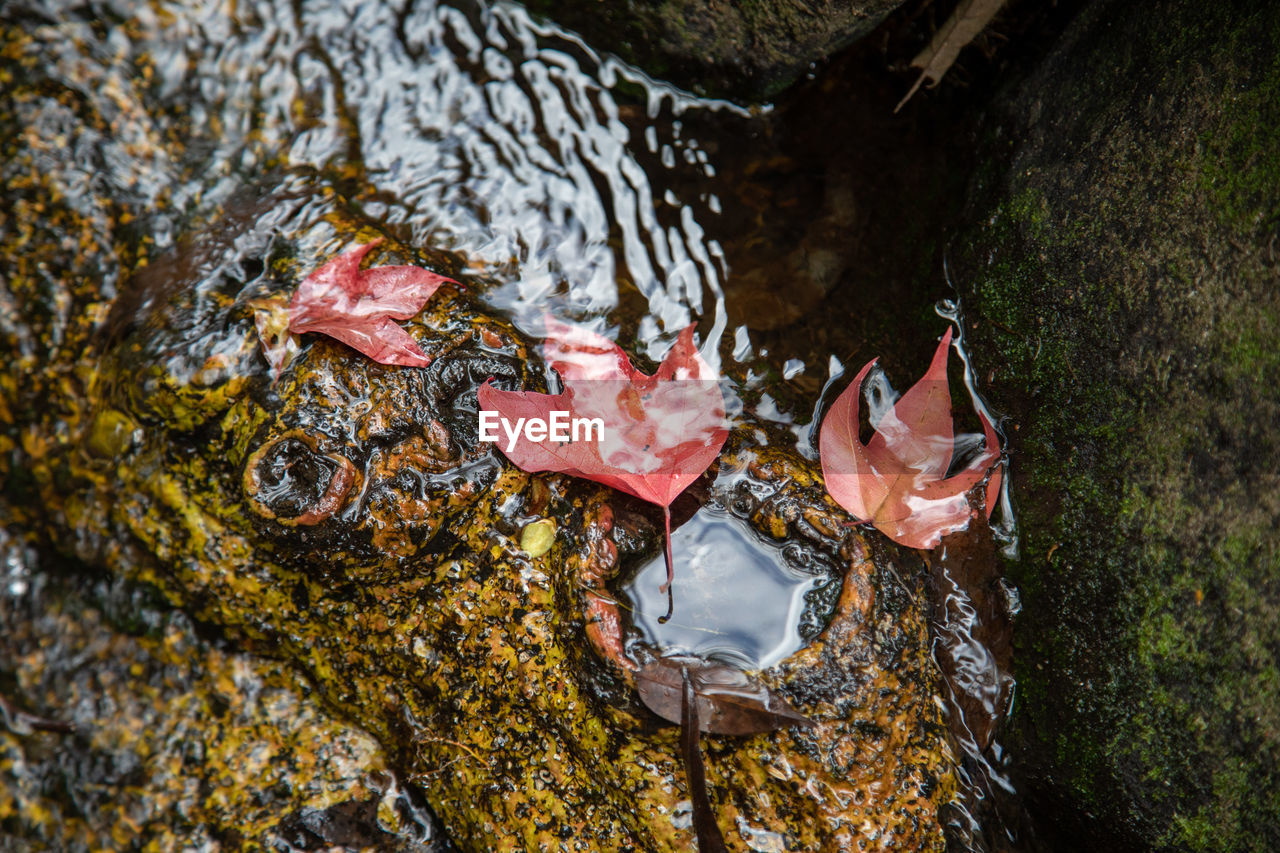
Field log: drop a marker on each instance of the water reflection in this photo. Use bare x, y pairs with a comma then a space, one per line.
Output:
737, 599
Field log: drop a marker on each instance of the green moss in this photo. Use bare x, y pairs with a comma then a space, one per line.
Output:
1241, 167
1127, 301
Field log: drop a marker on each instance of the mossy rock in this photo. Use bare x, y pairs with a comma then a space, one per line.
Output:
342, 522
1121, 274
173, 741
748, 51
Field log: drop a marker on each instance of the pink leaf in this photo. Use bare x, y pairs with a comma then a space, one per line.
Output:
359, 307
578, 353
659, 432
897, 480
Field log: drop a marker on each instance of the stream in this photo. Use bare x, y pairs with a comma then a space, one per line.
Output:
561, 183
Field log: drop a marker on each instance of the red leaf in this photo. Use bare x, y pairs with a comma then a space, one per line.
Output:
897, 480
659, 432
359, 307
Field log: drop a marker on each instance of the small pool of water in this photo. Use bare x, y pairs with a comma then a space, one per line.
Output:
736, 599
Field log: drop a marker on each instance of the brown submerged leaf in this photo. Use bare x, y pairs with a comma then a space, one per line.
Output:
729, 702
970, 18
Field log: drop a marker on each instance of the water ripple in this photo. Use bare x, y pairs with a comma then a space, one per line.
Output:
488, 134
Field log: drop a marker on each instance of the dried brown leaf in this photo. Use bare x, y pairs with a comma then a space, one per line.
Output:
279, 345
729, 702
970, 18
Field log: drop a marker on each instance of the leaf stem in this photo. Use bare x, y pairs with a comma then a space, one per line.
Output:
666, 587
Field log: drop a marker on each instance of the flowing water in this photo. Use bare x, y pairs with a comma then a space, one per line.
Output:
564, 183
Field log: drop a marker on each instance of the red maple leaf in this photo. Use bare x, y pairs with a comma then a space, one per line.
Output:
658, 433
360, 307
897, 480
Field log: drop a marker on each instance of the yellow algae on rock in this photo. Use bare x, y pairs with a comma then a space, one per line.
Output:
176, 743
346, 521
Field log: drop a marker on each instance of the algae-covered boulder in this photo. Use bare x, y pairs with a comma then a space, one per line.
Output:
1122, 280
347, 521
165, 740
739, 50
342, 522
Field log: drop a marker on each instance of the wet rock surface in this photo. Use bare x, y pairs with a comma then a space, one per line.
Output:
409, 604
1122, 285
173, 739
744, 51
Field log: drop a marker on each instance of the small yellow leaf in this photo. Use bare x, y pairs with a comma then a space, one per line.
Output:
537, 537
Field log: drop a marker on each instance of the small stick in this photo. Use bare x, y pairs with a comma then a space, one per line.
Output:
22, 723
710, 839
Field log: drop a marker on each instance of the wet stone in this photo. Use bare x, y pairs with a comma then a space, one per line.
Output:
341, 518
